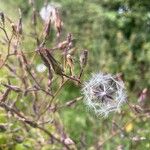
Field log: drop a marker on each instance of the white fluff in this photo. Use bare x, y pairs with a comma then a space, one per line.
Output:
40, 68
49, 11
104, 93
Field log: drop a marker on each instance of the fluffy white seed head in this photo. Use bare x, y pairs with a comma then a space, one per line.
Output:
49, 11
104, 93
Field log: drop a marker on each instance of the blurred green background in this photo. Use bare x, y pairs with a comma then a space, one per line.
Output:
117, 35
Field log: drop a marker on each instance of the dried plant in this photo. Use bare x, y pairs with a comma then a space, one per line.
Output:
41, 83
29, 91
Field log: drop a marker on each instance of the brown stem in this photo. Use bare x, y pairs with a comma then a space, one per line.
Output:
31, 123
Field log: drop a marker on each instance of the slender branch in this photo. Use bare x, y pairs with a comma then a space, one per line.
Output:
5, 33
31, 123
52, 99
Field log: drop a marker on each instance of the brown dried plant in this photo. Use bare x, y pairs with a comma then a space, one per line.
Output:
29, 96
24, 82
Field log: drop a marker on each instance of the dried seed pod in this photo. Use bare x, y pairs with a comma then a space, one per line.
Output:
70, 60
62, 45
2, 18
48, 65
34, 17
69, 37
51, 11
50, 76
83, 58
14, 27
44, 59
55, 65
143, 95
68, 141
19, 26
58, 22
70, 63
47, 29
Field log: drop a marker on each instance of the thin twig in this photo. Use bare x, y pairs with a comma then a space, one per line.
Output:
31, 123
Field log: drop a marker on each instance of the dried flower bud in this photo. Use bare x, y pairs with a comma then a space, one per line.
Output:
69, 37
143, 95
83, 58
70, 63
50, 11
58, 23
47, 29
104, 93
2, 18
34, 17
19, 26
143, 98
68, 141
43, 57
69, 60
63, 45
55, 65
14, 28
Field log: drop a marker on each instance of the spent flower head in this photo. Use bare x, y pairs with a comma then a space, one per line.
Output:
49, 11
104, 93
